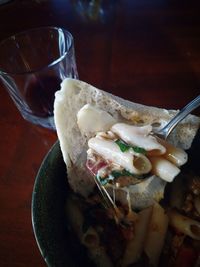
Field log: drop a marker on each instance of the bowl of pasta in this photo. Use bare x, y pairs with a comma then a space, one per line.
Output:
154, 185
57, 242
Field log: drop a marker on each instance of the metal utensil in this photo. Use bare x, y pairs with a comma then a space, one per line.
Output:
166, 130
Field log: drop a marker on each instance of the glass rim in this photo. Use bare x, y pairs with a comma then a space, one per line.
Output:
53, 63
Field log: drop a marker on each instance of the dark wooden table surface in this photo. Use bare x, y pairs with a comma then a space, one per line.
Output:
146, 51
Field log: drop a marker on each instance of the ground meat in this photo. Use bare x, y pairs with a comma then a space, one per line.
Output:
193, 192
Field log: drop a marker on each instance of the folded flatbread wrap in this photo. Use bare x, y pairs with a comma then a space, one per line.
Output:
73, 96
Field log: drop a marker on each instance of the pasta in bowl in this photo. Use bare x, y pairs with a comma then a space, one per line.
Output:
56, 210
109, 140
121, 157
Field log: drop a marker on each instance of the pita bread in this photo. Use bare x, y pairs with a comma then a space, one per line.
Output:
74, 94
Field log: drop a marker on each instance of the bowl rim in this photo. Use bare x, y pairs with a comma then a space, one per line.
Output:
34, 201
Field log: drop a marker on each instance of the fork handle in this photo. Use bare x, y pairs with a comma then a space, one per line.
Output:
165, 131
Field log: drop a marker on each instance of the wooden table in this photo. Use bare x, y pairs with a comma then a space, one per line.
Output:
146, 51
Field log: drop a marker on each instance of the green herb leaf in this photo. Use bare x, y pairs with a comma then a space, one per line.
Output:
122, 145
124, 172
116, 174
138, 149
103, 181
127, 173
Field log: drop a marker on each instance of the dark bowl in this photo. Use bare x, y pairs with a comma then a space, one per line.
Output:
57, 244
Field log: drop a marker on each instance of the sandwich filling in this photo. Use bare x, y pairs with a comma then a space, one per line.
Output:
124, 154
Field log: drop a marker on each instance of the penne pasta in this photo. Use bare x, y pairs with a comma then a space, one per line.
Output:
90, 238
174, 154
139, 136
134, 149
184, 224
164, 168
99, 256
156, 234
134, 247
133, 162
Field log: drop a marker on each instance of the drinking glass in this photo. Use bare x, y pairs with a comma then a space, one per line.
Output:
32, 66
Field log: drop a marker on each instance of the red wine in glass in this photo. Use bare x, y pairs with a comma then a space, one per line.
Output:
40, 95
